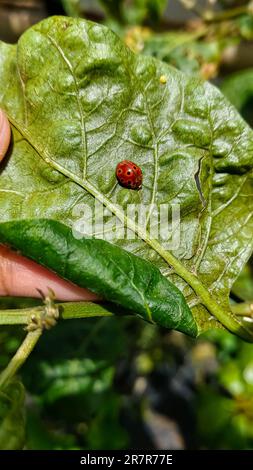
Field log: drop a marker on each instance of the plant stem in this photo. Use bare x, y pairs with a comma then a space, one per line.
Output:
67, 311
18, 316
210, 16
70, 310
21, 355
244, 309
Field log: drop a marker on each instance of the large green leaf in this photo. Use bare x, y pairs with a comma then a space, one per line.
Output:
80, 101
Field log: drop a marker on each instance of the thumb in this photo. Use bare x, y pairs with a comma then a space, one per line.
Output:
5, 134
22, 277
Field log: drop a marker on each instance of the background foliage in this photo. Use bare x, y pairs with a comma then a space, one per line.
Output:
121, 383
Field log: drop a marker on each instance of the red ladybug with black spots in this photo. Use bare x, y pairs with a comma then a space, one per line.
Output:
129, 175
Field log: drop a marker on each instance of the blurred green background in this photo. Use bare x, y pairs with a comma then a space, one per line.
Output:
117, 383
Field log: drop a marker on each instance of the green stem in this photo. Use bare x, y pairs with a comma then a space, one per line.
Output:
224, 316
67, 311
18, 316
210, 16
70, 310
20, 357
244, 309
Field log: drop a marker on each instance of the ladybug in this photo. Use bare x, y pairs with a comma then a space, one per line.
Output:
129, 175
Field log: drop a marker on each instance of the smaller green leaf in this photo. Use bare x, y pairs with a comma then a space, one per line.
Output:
107, 418
220, 423
135, 12
238, 88
243, 286
245, 23
184, 50
163, 44
12, 421
72, 7
108, 270
75, 377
